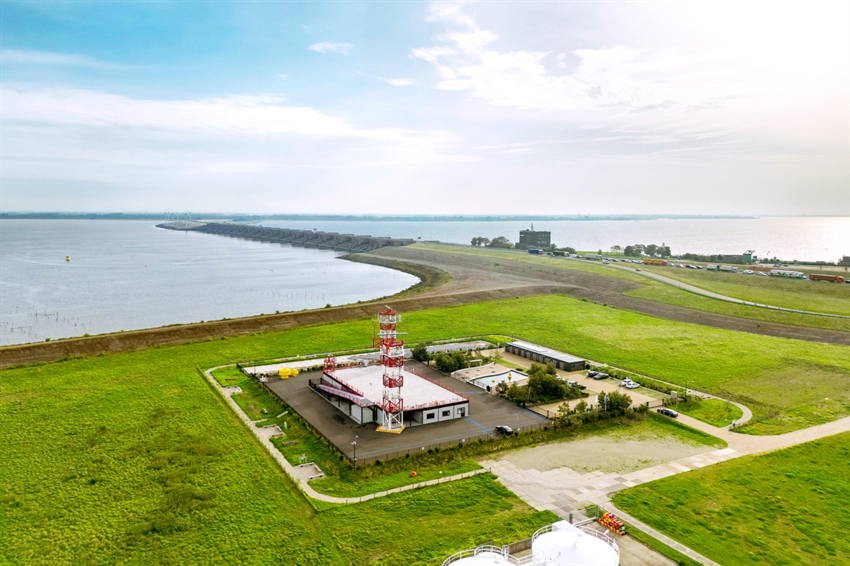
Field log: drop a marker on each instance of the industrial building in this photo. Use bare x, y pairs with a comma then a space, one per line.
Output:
543, 355
490, 375
558, 544
358, 392
388, 393
534, 238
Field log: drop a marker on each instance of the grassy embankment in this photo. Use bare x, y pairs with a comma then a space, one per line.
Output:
800, 294
663, 293
787, 507
132, 457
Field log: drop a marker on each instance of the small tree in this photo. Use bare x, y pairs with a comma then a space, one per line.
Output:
420, 353
651, 249
500, 242
517, 394
629, 251
618, 403
616, 249
581, 407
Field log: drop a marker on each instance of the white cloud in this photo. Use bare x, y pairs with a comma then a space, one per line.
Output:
397, 82
50, 58
330, 47
80, 135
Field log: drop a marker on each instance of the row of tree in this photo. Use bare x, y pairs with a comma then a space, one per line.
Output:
639, 250
499, 242
543, 386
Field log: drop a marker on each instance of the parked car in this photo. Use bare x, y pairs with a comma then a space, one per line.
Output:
591, 373
668, 412
601, 375
504, 429
748, 272
626, 382
632, 385
576, 384
761, 273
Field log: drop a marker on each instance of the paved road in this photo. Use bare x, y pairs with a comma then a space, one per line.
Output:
565, 491
712, 295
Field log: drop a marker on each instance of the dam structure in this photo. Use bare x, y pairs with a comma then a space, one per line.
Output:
304, 238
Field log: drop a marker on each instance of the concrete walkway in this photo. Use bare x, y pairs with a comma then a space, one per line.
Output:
565, 491
302, 474
700, 291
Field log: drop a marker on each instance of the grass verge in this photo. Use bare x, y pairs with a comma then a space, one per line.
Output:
650, 541
787, 507
712, 411
789, 293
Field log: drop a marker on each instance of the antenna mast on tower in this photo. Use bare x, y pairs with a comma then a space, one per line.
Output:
392, 359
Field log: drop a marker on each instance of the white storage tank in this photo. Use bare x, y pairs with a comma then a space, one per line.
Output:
481, 556
563, 544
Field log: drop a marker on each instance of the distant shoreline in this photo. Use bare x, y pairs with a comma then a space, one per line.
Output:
379, 218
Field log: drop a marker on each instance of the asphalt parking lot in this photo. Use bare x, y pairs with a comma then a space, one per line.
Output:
485, 412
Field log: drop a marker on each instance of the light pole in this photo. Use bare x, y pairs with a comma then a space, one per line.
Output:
354, 443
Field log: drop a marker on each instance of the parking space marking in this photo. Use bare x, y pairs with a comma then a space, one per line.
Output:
482, 427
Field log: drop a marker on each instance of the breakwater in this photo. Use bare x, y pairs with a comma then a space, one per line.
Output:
304, 238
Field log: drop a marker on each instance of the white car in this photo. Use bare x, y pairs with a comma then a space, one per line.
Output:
748, 272
632, 385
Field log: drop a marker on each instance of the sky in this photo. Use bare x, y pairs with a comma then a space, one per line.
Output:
426, 107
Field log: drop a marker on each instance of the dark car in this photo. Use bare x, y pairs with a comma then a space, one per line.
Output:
601, 375
668, 412
504, 429
592, 373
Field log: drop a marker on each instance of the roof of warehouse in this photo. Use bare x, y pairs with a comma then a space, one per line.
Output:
417, 391
548, 352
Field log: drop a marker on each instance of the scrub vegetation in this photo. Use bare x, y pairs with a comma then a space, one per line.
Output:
791, 506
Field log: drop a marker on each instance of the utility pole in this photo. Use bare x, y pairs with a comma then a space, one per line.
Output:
354, 443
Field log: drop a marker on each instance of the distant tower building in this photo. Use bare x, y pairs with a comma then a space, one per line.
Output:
534, 238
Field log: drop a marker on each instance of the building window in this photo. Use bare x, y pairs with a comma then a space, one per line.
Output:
447, 413
429, 416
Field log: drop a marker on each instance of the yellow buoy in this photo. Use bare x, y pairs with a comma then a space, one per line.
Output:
67, 258
293, 372
284, 373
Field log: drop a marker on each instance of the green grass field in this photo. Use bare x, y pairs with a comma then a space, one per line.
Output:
662, 293
133, 458
712, 411
809, 293
787, 507
790, 293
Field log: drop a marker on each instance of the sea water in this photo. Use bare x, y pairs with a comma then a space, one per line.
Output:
126, 275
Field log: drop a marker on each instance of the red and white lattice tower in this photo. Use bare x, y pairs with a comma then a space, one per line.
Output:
392, 358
